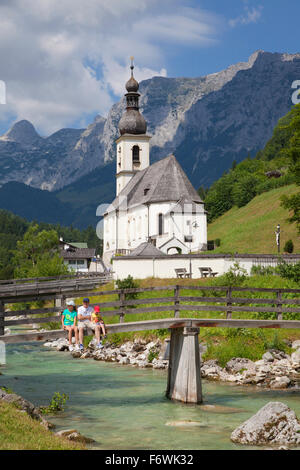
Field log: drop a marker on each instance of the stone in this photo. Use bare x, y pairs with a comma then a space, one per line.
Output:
268, 357
296, 344
238, 363
124, 360
74, 435
185, 424
275, 423
280, 383
295, 357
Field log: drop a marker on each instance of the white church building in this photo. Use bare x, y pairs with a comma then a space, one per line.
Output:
156, 207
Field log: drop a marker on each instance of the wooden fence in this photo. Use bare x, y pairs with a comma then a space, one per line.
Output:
25, 280
230, 302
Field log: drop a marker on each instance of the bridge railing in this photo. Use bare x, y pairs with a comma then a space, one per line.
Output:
25, 280
282, 306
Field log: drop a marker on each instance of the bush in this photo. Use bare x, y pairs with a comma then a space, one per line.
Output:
262, 270
56, 404
235, 276
128, 283
289, 247
218, 242
289, 271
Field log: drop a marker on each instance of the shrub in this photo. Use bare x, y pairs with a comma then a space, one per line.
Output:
218, 242
289, 247
128, 283
153, 354
235, 276
56, 404
262, 270
289, 271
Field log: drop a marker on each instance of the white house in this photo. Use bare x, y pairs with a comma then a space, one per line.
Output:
77, 256
155, 203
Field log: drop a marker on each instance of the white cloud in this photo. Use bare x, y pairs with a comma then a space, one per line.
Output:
61, 59
250, 15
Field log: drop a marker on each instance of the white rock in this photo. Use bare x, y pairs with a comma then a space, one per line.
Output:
280, 382
296, 358
275, 423
296, 344
268, 357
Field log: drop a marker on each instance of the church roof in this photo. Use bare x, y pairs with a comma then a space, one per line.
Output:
162, 181
146, 249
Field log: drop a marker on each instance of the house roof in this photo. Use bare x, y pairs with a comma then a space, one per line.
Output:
163, 181
146, 249
175, 240
78, 244
79, 253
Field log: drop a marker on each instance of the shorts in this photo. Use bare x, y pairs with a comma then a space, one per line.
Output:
87, 324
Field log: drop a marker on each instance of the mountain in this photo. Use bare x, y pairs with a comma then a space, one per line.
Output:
207, 122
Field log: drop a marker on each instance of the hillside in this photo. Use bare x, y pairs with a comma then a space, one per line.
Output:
250, 229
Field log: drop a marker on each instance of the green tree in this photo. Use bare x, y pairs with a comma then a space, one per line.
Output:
37, 255
292, 151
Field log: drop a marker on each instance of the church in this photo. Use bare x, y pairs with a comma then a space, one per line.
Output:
156, 209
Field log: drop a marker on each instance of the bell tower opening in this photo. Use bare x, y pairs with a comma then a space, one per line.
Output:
136, 154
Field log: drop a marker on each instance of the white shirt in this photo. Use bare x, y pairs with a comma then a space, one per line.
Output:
85, 312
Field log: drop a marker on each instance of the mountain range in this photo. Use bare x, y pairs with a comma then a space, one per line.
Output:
207, 122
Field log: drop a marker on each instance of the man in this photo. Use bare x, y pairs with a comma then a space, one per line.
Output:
84, 317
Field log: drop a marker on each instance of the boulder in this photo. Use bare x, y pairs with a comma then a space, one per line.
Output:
74, 435
296, 358
239, 363
275, 423
268, 357
296, 344
280, 382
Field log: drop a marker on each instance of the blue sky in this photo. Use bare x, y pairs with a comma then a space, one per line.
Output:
64, 61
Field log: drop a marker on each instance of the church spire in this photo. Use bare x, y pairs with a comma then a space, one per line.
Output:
132, 121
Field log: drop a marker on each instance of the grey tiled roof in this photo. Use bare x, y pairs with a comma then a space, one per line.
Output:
165, 181
146, 249
79, 253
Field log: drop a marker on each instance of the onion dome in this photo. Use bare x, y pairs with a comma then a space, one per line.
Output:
132, 121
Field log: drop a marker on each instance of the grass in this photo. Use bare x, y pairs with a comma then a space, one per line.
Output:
20, 432
250, 229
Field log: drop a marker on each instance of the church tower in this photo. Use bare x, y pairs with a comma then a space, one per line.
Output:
133, 144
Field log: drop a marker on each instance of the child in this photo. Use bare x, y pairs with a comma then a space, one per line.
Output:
69, 322
96, 318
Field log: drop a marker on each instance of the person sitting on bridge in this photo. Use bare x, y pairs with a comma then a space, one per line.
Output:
98, 320
69, 322
84, 317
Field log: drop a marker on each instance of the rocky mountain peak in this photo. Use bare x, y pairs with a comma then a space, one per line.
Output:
22, 132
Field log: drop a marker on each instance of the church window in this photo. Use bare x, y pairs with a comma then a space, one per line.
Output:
146, 190
136, 154
160, 224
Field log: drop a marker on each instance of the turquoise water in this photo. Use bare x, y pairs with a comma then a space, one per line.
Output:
123, 407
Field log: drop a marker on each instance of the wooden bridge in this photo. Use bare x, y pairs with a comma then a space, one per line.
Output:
184, 378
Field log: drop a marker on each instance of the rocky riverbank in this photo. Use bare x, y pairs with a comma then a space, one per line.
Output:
25, 406
275, 370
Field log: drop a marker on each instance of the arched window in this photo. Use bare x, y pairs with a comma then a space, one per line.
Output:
160, 224
136, 154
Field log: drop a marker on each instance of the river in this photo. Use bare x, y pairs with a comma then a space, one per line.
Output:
123, 407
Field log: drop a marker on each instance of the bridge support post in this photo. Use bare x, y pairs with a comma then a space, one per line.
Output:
2, 318
184, 374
